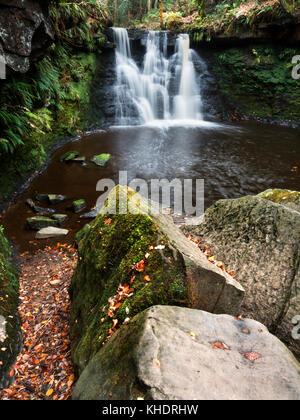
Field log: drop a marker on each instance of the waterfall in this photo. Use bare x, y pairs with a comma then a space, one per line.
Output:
163, 88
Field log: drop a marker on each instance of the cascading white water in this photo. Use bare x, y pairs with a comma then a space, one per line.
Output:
146, 93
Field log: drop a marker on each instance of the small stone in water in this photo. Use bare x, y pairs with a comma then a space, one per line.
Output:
67, 157
101, 160
78, 206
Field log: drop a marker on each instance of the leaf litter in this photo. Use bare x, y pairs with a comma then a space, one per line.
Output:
44, 369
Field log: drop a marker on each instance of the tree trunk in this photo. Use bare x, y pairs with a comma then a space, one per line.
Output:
161, 14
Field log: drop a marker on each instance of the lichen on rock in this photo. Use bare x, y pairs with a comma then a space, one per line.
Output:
149, 254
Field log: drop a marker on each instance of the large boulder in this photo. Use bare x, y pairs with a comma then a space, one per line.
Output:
10, 337
129, 262
25, 32
259, 240
169, 353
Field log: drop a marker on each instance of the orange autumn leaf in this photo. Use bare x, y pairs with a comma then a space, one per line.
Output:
252, 356
108, 222
220, 346
147, 278
49, 392
140, 267
12, 373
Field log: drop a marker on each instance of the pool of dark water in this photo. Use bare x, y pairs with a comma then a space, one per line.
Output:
233, 159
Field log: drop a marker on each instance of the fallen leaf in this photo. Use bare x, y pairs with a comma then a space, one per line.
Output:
156, 362
49, 392
252, 356
221, 346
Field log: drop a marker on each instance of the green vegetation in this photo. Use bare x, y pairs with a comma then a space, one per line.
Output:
258, 79
52, 99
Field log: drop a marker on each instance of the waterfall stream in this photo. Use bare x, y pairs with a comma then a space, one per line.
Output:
164, 88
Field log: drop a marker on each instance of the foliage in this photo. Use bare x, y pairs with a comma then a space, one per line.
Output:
230, 17
31, 102
258, 79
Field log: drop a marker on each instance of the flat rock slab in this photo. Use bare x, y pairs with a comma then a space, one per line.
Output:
171, 353
259, 240
51, 232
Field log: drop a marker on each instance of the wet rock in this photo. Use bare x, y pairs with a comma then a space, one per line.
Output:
51, 232
39, 222
78, 206
25, 32
149, 254
171, 353
80, 159
259, 240
42, 197
56, 198
101, 160
90, 215
38, 209
60, 218
69, 156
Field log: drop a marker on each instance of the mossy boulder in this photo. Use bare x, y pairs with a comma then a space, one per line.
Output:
286, 198
259, 240
40, 222
10, 337
101, 160
147, 255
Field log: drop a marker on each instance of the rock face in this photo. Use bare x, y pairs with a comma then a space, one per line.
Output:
259, 240
25, 32
147, 256
10, 337
169, 353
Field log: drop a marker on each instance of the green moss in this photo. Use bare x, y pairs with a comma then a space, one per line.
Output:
258, 80
8, 308
107, 254
287, 198
69, 114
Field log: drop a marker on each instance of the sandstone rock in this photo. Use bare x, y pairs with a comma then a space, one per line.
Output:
150, 255
259, 240
25, 31
169, 353
51, 232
